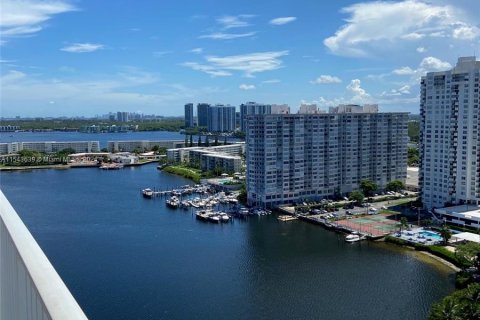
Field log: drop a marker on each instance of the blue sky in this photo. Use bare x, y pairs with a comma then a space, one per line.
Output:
82, 57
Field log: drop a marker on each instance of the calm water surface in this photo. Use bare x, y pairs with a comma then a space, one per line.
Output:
125, 257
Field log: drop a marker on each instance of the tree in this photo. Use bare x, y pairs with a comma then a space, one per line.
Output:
413, 156
225, 141
191, 141
356, 196
215, 143
395, 185
368, 187
199, 143
446, 233
155, 148
104, 150
66, 151
403, 223
460, 305
469, 255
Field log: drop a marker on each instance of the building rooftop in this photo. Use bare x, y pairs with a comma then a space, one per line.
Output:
468, 211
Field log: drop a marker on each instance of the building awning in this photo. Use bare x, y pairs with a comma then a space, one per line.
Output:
467, 236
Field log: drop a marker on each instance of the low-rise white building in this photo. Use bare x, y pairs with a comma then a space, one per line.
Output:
50, 146
463, 215
143, 145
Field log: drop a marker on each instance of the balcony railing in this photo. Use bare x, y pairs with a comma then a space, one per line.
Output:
30, 288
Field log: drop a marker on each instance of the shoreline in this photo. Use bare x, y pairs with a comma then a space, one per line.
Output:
67, 166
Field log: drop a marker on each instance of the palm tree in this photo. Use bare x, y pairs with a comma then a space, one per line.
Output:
403, 223
447, 309
445, 233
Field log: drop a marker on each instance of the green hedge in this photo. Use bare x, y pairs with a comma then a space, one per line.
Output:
184, 172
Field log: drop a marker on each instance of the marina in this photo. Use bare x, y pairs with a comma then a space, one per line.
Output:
141, 258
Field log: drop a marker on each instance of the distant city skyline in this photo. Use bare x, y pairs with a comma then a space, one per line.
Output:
59, 59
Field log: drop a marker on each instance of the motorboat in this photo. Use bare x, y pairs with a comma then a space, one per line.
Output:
147, 193
354, 237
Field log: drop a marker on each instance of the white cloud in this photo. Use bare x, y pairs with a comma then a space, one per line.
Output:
226, 36
228, 22
211, 70
370, 26
404, 90
197, 50
421, 49
83, 47
271, 81
359, 94
249, 64
434, 64
428, 64
246, 87
22, 18
326, 79
404, 71
282, 20
466, 32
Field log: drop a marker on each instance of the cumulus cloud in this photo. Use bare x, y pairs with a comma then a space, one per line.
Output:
370, 25
326, 79
404, 90
83, 47
359, 94
282, 20
421, 49
246, 87
428, 64
22, 18
249, 64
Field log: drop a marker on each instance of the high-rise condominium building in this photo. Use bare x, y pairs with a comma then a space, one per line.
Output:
298, 156
449, 135
280, 109
202, 114
122, 116
189, 115
250, 108
308, 109
221, 118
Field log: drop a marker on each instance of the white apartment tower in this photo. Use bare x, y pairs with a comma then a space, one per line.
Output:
449, 136
294, 157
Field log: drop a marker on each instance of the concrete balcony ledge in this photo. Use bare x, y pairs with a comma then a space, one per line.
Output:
30, 288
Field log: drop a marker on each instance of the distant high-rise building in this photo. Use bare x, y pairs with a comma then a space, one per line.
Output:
308, 109
202, 114
450, 135
122, 116
294, 157
280, 109
250, 108
189, 116
221, 118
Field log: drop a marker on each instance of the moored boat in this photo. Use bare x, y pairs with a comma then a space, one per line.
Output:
147, 193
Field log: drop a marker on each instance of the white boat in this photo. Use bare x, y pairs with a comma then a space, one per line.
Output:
354, 237
147, 193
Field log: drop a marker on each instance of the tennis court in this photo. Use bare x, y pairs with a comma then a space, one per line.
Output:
375, 225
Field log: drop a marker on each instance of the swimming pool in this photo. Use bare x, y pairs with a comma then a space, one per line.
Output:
430, 234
